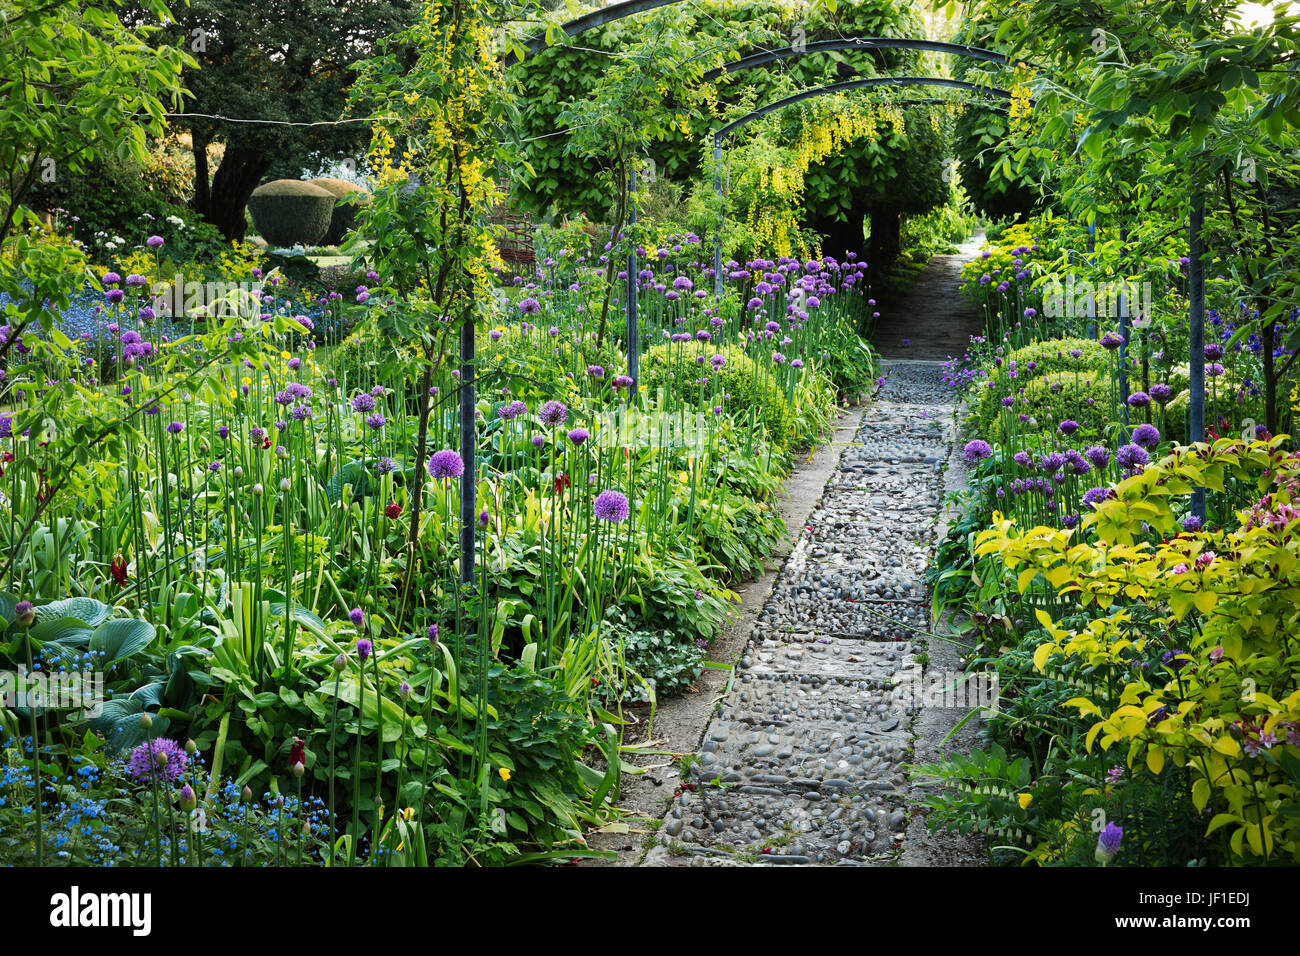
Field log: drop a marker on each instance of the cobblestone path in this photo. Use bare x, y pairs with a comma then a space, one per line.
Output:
804, 761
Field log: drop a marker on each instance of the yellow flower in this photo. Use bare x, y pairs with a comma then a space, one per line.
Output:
408, 813
1024, 799
505, 773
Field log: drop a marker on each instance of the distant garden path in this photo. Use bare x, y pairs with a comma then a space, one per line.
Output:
933, 319
805, 760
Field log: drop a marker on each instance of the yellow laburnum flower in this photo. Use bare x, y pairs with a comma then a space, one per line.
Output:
1024, 800
505, 773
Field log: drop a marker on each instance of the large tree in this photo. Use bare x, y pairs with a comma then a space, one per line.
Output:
282, 60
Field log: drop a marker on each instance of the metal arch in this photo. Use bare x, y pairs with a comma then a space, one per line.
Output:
847, 85
589, 21
860, 43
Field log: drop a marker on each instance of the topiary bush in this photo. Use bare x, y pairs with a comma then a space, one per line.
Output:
1083, 397
1046, 357
674, 368
289, 212
344, 215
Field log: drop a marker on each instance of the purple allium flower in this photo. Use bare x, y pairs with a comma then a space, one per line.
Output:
1111, 341
495, 335
114, 295
530, 306
1139, 400
1214, 370
364, 647
554, 413
1132, 457
579, 435
611, 505
596, 371
1023, 459
1069, 521
376, 421
111, 278
1052, 462
357, 616
1099, 456
483, 517
363, 403
1096, 495
153, 242
1078, 464
512, 410
385, 465
538, 441
143, 762
977, 450
1213, 352
446, 464
1148, 436
1160, 392
1192, 523
175, 428
1068, 427
1108, 843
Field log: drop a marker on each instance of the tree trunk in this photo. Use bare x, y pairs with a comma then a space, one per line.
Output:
1266, 339
841, 238
885, 238
202, 187
240, 172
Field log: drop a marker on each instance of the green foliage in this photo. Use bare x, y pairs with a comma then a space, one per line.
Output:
343, 218
1050, 357
289, 212
674, 368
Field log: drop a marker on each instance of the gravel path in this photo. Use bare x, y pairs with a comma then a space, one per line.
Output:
804, 761
933, 321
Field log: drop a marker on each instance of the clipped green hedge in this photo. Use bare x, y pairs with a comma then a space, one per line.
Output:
288, 212
1052, 398
1051, 356
674, 369
344, 215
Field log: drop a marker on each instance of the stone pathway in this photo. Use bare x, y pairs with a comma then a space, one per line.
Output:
804, 761
934, 320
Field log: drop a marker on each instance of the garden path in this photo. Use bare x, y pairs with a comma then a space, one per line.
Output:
804, 760
933, 319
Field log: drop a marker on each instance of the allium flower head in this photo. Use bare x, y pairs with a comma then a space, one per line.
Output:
977, 450
611, 505
1099, 456
364, 648
1108, 843
143, 762
1161, 392
446, 464
554, 413
1068, 427
1132, 457
579, 435
1148, 436
363, 403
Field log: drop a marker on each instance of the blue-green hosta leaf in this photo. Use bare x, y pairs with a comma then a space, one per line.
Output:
68, 631
92, 612
120, 638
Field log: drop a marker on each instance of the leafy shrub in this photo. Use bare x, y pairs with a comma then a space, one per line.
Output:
675, 369
289, 212
1188, 637
1052, 398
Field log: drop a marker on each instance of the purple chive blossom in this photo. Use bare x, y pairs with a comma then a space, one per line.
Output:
611, 505
446, 464
977, 450
579, 435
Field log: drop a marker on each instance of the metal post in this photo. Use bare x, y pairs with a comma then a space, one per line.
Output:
633, 333
722, 216
468, 484
1196, 357
1092, 300
1124, 329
